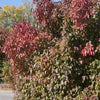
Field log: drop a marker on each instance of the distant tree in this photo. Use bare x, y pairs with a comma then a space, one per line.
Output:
11, 14
28, 5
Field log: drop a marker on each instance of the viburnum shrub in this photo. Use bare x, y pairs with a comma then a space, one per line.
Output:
61, 66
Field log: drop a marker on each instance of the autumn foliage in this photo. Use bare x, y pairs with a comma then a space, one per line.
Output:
60, 59
23, 37
88, 50
81, 11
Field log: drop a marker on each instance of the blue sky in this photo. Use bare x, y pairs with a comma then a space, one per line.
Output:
14, 2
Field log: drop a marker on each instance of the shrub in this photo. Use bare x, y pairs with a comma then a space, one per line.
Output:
56, 67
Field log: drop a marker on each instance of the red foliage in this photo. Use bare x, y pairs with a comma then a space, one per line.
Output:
80, 12
43, 10
88, 50
46, 12
21, 42
48, 15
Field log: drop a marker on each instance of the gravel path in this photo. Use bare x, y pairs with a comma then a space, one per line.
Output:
6, 95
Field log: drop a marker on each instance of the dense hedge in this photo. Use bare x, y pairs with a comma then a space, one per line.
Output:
61, 60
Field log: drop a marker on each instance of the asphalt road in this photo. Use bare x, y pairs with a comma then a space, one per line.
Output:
6, 95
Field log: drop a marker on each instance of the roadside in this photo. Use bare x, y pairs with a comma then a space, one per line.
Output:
6, 92
6, 95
